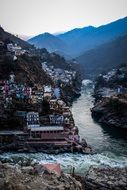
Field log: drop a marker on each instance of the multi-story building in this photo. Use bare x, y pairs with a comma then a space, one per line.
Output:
32, 120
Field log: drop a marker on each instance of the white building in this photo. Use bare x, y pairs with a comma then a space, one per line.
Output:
10, 47
56, 92
47, 89
56, 119
32, 120
12, 78
14, 48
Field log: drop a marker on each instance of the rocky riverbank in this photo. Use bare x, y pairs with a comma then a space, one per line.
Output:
37, 177
111, 111
106, 178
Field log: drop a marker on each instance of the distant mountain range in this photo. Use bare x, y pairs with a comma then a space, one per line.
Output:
77, 41
104, 57
95, 49
50, 42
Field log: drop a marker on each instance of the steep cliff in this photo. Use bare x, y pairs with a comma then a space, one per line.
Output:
111, 98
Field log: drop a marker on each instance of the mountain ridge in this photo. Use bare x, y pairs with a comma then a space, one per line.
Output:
96, 36
104, 57
5, 35
48, 41
76, 41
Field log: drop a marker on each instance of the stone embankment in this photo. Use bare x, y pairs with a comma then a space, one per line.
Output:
48, 149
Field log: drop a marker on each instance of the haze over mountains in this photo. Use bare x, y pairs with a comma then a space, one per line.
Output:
48, 41
104, 57
79, 40
95, 49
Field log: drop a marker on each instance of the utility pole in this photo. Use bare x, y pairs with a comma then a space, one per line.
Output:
73, 171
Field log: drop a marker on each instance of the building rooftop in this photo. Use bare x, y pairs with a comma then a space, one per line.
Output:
11, 132
53, 168
48, 128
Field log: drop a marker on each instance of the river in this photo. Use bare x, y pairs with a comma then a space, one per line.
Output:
109, 143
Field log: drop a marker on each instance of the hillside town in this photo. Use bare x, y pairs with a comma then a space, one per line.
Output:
36, 118
45, 120
12, 49
112, 82
57, 74
63, 95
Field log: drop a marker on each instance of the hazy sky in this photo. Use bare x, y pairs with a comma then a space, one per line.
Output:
31, 17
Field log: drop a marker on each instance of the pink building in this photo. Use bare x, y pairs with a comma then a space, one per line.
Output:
48, 133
